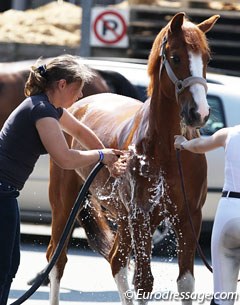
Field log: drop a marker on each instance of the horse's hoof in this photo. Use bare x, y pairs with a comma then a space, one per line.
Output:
35, 279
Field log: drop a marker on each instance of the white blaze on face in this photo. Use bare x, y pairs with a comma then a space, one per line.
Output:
198, 90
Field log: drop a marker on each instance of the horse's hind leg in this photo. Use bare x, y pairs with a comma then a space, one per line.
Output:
119, 259
186, 254
63, 190
56, 273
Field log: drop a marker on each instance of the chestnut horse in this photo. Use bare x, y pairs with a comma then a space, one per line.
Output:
150, 190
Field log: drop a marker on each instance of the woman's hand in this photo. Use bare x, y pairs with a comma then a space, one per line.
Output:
116, 160
110, 155
179, 140
119, 168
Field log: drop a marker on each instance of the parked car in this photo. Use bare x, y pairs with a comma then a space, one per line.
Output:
224, 99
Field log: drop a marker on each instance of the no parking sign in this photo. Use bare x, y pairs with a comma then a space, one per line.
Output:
109, 27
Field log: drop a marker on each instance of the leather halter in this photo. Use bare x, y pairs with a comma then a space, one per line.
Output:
180, 85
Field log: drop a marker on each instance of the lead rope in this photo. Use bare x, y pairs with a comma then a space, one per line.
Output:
199, 249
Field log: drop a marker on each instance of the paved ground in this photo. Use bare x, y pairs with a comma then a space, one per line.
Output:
87, 278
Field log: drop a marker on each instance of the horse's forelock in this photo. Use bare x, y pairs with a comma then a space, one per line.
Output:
195, 38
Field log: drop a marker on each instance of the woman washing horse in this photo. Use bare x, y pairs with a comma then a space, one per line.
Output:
36, 127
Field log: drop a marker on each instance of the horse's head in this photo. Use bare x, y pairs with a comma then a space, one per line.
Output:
178, 59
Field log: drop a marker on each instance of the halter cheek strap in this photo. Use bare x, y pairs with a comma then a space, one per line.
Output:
180, 85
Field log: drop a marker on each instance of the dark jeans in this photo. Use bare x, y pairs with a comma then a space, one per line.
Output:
9, 239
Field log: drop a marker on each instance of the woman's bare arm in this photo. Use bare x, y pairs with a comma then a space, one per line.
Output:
79, 131
201, 144
55, 143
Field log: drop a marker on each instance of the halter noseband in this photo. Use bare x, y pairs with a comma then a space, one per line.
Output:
180, 85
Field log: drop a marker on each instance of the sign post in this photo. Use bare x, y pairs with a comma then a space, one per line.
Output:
85, 50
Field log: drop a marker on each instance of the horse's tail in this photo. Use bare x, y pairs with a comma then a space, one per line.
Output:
99, 233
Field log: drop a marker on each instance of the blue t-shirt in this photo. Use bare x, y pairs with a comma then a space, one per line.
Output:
20, 143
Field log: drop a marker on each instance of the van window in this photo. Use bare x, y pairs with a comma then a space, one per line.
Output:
216, 119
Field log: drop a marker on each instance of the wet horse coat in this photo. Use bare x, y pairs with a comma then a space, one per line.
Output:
150, 190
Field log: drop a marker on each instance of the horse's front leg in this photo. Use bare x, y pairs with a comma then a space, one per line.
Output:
142, 245
119, 258
186, 254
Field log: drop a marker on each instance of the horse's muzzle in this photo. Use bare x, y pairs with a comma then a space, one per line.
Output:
193, 118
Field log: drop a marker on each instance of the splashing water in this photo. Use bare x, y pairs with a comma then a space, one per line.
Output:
158, 195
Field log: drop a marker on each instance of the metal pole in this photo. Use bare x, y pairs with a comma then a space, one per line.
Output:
85, 50
19, 4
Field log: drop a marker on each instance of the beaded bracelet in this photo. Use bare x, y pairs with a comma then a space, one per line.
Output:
101, 156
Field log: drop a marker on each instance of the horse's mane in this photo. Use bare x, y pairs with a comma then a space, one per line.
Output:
154, 59
194, 38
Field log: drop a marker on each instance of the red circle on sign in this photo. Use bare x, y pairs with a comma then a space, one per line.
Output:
100, 18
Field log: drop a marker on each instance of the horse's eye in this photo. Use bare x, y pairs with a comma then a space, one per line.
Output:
175, 59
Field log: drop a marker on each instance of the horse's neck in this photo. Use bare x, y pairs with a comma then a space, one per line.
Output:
160, 122
163, 116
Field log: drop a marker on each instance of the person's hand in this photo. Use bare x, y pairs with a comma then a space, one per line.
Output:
120, 166
116, 161
178, 141
110, 156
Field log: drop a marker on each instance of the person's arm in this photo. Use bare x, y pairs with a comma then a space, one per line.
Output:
201, 145
79, 131
55, 143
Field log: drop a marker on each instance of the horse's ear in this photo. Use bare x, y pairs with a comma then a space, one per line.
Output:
206, 25
177, 22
